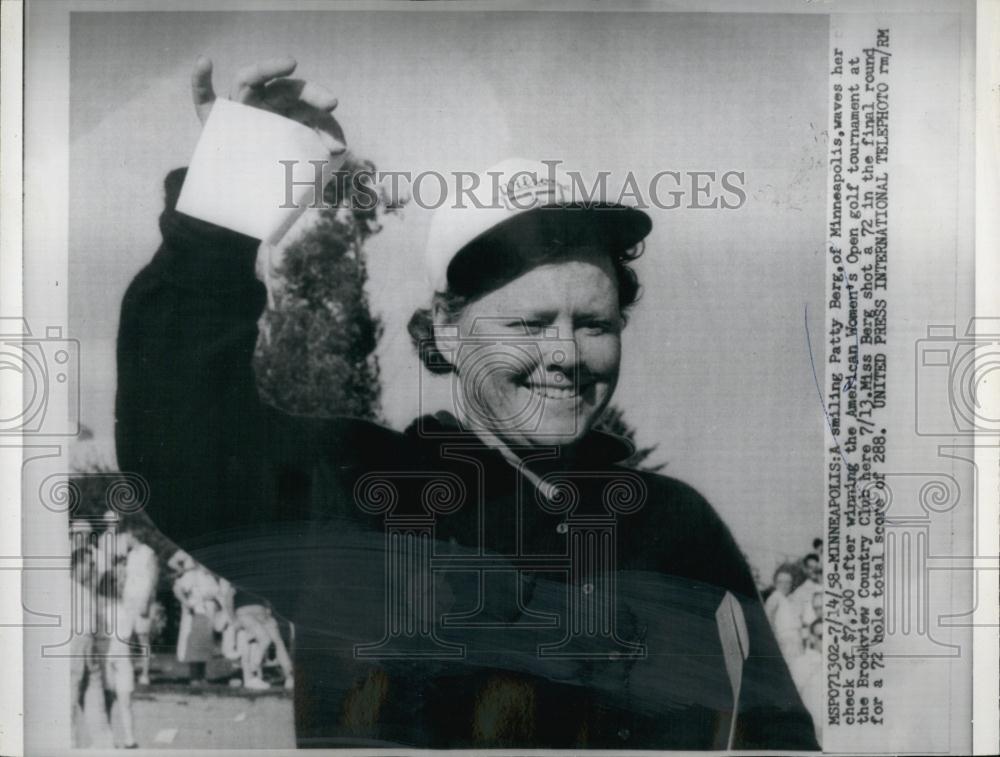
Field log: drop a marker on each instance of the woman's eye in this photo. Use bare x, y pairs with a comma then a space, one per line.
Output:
525, 326
596, 328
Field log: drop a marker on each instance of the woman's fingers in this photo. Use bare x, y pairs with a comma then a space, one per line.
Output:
257, 75
201, 87
309, 104
289, 93
318, 97
263, 85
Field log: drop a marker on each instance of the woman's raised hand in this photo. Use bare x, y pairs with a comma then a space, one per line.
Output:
266, 85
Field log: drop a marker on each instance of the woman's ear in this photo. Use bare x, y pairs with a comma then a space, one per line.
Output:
444, 332
439, 314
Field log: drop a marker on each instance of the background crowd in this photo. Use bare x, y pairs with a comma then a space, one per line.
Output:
148, 615
794, 607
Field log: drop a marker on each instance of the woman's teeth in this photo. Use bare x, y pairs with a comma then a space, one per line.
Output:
554, 392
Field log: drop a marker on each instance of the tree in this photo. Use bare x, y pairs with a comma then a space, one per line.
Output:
613, 422
316, 355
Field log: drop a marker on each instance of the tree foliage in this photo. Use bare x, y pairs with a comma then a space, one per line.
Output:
316, 355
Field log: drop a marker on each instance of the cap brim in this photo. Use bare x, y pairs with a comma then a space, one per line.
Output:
609, 225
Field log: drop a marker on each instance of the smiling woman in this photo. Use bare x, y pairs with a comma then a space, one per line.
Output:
531, 319
493, 577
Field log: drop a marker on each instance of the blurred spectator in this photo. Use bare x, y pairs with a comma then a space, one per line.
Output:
83, 662
113, 646
201, 597
795, 610
812, 564
802, 597
253, 632
180, 561
142, 571
782, 614
106, 548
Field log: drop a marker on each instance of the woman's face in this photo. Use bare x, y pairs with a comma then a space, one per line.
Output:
538, 358
783, 583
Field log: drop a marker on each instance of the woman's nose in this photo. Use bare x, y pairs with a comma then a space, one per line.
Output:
559, 355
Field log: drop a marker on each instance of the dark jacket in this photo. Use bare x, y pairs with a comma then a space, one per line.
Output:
439, 600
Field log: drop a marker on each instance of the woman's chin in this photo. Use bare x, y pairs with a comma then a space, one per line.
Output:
563, 430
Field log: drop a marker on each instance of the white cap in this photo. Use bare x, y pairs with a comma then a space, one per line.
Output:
513, 189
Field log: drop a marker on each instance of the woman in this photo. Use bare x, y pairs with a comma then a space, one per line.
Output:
785, 620
491, 577
199, 594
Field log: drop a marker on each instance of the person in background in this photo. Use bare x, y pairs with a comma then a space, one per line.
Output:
106, 548
782, 614
817, 605
200, 596
113, 641
142, 572
812, 564
781, 587
179, 562
253, 632
84, 573
802, 597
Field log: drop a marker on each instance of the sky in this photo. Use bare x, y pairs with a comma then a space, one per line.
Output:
717, 372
